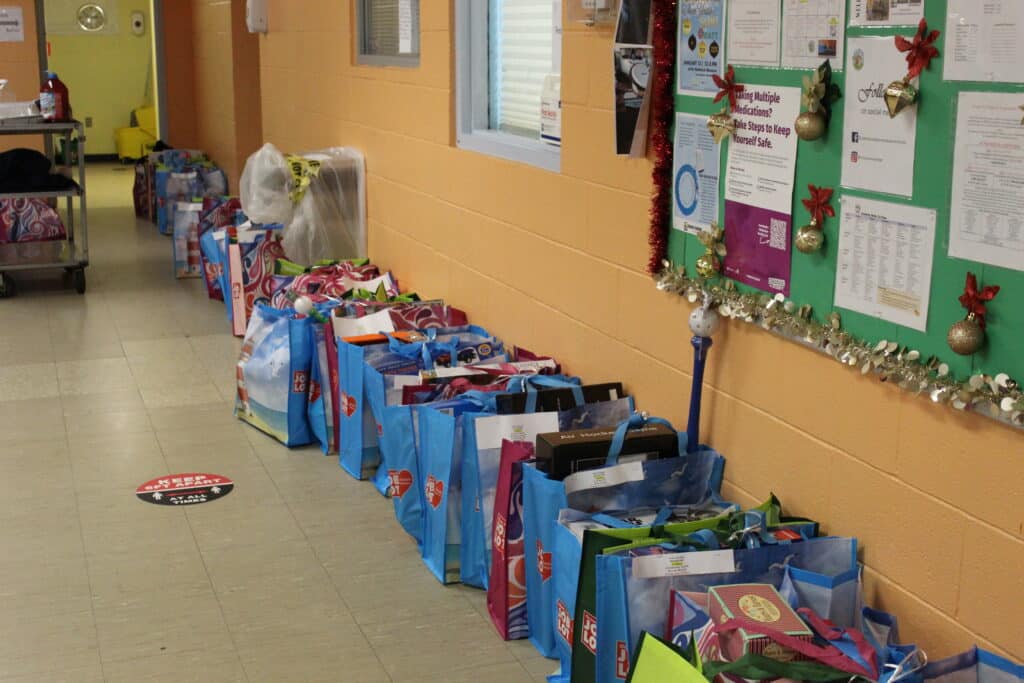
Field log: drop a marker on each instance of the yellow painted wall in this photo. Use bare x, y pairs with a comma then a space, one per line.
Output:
106, 75
554, 262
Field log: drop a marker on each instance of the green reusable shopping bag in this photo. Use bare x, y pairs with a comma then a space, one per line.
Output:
657, 662
604, 541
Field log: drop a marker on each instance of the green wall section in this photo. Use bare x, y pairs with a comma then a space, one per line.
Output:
819, 163
106, 75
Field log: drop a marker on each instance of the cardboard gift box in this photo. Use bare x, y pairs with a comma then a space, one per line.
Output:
760, 603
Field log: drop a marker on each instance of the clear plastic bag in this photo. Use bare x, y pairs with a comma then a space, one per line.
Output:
325, 221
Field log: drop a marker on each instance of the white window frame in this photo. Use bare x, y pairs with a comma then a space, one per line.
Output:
472, 64
366, 59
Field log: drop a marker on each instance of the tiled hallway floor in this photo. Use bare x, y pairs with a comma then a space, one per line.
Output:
300, 574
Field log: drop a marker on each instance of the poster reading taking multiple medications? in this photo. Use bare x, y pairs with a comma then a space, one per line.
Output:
759, 188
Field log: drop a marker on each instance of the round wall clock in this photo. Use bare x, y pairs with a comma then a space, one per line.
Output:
91, 17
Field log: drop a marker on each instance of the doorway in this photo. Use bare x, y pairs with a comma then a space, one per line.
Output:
109, 54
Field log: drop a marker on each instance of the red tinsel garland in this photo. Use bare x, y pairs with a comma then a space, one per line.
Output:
662, 114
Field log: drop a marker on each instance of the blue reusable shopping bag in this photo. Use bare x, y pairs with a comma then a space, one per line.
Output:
361, 393
632, 591
273, 375
689, 479
440, 441
976, 665
318, 408
482, 460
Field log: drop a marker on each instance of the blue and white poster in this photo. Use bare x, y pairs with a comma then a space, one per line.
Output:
696, 163
701, 46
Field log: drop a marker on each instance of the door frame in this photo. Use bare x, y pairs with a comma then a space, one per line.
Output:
156, 12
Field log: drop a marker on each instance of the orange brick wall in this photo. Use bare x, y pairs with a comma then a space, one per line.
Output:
19, 64
554, 262
213, 81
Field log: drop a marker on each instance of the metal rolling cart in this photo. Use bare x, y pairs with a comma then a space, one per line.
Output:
71, 253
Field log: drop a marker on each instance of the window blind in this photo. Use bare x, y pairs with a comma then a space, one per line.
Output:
521, 56
380, 28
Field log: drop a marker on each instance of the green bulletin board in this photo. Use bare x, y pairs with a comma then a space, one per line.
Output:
819, 163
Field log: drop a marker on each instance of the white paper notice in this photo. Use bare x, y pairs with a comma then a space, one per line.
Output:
490, 431
813, 31
12, 25
404, 26
684, 564
762, 153
753, 33
983, 41
878, 151
602, 478
885, 260
696, 173
888, 12
986, 221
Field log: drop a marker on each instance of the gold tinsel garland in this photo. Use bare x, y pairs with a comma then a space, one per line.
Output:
998, 397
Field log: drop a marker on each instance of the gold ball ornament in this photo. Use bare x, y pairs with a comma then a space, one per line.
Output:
966, 336
721, 125
898, 96
809, 239
708, 264
810, 125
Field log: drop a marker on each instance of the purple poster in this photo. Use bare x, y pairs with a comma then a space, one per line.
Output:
758, 245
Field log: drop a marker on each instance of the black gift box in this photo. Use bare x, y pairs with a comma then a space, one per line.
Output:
560, 454
549, 400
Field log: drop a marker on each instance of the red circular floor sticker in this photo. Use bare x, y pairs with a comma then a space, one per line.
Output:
185, 489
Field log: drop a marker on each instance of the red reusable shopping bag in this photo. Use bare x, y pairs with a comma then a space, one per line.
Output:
506, 593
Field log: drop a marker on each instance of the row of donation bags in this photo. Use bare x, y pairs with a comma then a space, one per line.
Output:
592, 529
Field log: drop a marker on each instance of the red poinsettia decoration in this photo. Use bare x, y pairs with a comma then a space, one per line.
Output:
920, 51
727, 87
974, 301
819, 205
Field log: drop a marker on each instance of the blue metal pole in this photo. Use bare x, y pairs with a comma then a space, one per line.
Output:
701, 346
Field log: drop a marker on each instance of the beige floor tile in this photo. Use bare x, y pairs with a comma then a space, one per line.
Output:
104, 423
322, 659
94, 376
127, 401
209, 666
89, 674
47, 644
31, 420
29, 381
157, 398
120, 576
160, 622
158, 349
220, 524
26, 348
496, 673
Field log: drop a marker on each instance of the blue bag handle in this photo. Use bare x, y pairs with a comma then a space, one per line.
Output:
635, 421
611, 522
530, 384
422, 351
487, 401
705, 539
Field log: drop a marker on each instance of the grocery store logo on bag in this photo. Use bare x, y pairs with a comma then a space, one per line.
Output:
589, 635
564, 623
435, 491
543, 562
348, 405
300, 382
399, 482
498, 542
621, 661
